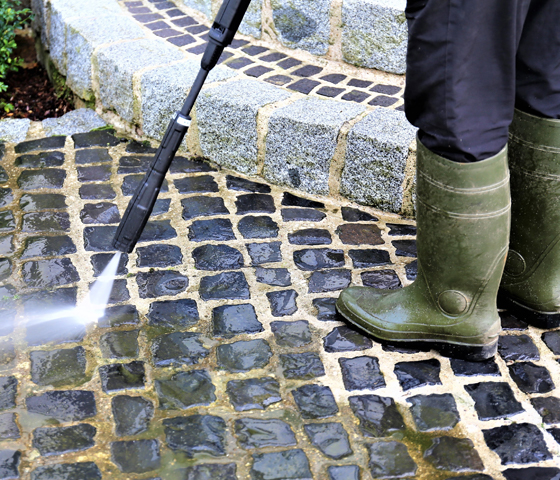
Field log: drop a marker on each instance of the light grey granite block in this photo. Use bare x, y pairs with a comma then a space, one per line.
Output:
252, 21
60, 11
377, 150
303, 24
164, 90
83, 36
374, 34
301, 141
116, 65
77, 121
203, 6
227, 121
14, 130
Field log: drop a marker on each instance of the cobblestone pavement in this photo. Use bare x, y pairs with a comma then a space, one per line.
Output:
221, 356
165, 20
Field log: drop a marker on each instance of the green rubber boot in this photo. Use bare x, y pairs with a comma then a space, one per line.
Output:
463, 216
531, 282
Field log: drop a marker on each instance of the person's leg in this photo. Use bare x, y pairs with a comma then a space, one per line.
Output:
460, 93
531, 281
460, 80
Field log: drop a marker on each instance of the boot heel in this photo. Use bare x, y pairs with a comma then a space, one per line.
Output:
546, 321
470, 353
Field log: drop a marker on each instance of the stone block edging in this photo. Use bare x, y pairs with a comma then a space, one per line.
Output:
316, 145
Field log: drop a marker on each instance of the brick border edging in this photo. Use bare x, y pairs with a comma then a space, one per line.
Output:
318, 146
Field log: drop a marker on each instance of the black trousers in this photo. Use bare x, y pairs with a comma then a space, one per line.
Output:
470, 62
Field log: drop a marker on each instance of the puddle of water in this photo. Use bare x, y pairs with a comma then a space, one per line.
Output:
91, 309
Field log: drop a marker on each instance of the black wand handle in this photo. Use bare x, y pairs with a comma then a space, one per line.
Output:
140, 207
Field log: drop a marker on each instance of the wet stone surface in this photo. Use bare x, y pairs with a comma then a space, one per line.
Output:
254, 393
216, 358
58, 440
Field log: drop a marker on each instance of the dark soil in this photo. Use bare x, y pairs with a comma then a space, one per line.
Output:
30, 90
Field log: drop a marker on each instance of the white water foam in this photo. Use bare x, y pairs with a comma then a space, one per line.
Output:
92, 308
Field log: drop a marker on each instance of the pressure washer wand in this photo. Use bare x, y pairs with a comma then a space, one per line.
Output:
142, 203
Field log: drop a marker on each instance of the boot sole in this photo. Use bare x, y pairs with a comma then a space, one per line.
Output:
537, 319
471, 353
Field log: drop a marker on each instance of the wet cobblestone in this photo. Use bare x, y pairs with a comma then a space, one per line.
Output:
221, 354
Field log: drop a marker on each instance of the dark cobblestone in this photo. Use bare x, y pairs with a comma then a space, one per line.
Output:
67, 471
302, 215
378, 416
302, 366
196, 434
517, 347
175, 314
259, 433
345, 339
310, 236
361, 373
203, 206
136, 456
262, 253
9, 463
6, 197
99, 239
199, 184
278, 277
231, 320
243, 356
290, 200
219, 229
464, 368
157, 230
434, 412
345, 472
517, 443
97, 191
159, 256
312, 259
552, 341
289, 464
227, 285
534, 473
159, 283
119, 344
102, 212
493, 400
254, 203
359, 234
315, 401
283, 302
59, 440
185, 390
119, 316
368, 258
64, 405
97, 155
258, 227
48, 143
326, 310
401, 229
100, 138
8, 392
454, 455
97, 173
217, 257
122, 376
39, 179
243, 185
531, 378
132, 415
32, 202
382, 279
8, 427
58, 367
417, 374
177, 349
48, 246
253, 393
329, 280
49, 273
48, 222
291, 334
330, 438
390, 460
